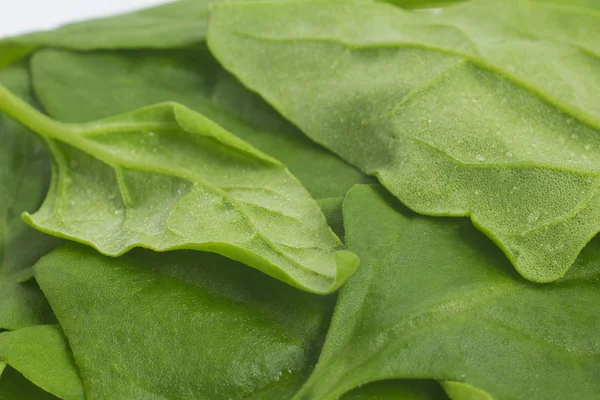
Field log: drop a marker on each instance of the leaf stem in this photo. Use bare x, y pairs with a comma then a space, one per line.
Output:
28, 116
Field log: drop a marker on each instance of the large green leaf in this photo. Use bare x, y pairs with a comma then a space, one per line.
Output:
434, 298
488, 109
175, 24
164, 177
41, 354
181, 325
109, 83
24, 173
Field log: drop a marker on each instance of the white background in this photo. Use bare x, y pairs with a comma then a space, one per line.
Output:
20, 16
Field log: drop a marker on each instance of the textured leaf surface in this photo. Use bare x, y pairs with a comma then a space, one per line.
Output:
42, 355
433, 298
164, 177
24, 174
82, 87
488, 109
181, 325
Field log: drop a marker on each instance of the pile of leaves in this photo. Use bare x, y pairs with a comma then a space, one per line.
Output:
184, 189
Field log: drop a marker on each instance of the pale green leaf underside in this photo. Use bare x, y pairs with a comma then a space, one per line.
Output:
110, 83
487, 109
166, 178
41, 354
460, 313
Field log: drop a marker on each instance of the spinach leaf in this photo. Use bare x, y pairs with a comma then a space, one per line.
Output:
487, 109
175, 24
398, 390
181, 325
422, 3
14, 386
332, 209
41, 354
24, 171
109, 83
164, 177
433, 298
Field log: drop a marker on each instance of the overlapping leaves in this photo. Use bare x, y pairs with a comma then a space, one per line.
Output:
487, 109
484, 109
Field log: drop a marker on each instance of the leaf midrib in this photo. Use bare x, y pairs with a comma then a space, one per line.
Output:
116, 162
589, 120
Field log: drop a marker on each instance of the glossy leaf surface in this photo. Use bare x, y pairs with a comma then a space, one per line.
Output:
181, 325
42, 355
109, 83
164, 177
434, 299
487, 109
24, 174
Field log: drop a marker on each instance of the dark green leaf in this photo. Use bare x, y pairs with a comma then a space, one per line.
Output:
181, 325
398, 390
422, 3
434, 299
14, 386
487, 109
24, 173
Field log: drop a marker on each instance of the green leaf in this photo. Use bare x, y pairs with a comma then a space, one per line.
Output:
434, 299
42, 355
398, 390
164, 178
422, 3
332, 209
24, 173
109, 83
488, 109
175, 24
14, 386
181, 325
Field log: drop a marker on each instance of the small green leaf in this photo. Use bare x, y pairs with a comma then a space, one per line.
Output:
488, 109
164, 178
42, 355
182, 325
110, 83
434, 299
